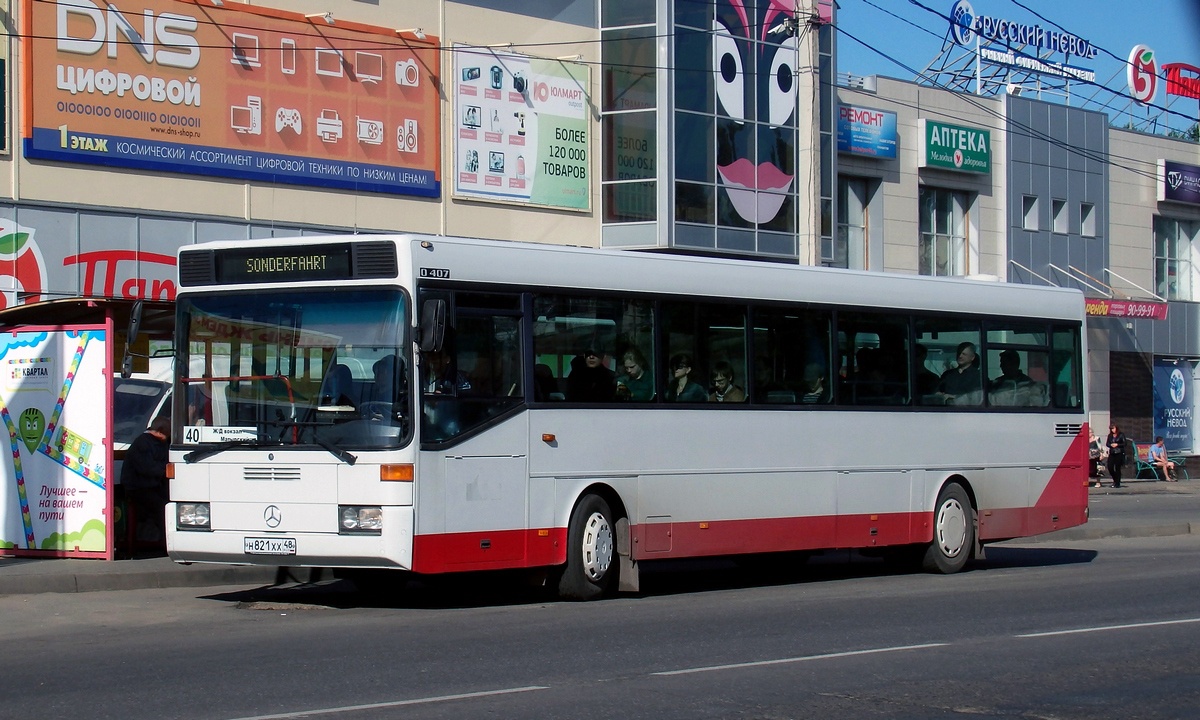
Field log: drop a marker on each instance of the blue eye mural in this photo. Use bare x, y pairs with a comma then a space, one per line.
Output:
754, 58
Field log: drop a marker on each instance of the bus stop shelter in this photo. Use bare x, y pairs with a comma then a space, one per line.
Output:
60, 361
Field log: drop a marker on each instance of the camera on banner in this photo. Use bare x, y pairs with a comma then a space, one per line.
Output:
407, 73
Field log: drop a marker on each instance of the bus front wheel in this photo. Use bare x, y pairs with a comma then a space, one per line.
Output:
591, 551
953, 532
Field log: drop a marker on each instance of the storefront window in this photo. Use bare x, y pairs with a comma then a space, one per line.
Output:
1176, 258
850, 249
943, 227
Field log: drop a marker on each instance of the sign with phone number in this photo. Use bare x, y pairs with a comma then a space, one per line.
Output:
1126, 308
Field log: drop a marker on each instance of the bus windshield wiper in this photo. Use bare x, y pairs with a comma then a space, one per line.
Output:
336, 451
201, 453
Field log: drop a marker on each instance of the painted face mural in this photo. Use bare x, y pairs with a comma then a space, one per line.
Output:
754, 64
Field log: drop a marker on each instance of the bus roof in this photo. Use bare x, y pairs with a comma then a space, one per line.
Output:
500, 262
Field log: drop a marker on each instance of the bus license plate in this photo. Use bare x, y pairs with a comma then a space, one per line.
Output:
270, 546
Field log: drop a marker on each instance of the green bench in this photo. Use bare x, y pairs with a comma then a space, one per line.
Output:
1141, 459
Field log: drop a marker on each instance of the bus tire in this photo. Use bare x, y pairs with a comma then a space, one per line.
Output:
591, 552
953, 532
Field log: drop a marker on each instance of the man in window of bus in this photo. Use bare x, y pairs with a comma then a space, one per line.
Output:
1013, 387
927, 380
1158, 458
589, 380
635, 384
722, 383
962, 384
441, 378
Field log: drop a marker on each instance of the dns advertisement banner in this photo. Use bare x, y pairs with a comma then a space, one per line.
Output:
521, 129
53, 484
1173, 403
233, 91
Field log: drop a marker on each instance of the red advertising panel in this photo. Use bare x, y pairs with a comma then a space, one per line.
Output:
1126, 308
233, 91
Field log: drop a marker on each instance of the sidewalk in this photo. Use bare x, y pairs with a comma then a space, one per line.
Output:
1140, 508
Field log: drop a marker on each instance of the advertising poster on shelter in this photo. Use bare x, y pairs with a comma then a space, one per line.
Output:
1173, 404
521, 129
234, 91
53, 484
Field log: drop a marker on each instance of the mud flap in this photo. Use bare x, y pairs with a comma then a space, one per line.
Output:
978, 553
627, 578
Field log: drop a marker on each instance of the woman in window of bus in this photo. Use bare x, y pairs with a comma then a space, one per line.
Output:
681, 387
962, 384
635, 384
722, 383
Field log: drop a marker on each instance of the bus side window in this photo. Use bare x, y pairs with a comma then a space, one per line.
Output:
481, 374
792, 356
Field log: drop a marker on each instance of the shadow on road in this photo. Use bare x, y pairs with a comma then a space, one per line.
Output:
319, 590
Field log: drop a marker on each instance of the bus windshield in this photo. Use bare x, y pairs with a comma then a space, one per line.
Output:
290, 367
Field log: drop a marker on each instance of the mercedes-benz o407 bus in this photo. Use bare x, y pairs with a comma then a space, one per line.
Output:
433, 405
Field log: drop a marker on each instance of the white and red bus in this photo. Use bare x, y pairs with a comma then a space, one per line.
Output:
432, 405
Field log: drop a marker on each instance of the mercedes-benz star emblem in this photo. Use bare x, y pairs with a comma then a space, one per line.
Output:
273, 516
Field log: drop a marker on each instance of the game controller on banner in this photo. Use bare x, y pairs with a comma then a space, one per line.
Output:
287, 118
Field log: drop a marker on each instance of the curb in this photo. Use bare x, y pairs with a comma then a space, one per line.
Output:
33, 584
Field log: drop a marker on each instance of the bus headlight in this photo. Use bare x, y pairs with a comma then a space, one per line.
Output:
192, 516
356, 519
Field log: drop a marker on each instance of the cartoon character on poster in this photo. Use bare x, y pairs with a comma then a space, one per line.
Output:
754, 64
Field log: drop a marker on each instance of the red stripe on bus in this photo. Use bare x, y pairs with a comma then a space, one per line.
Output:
489, 550
1062, 504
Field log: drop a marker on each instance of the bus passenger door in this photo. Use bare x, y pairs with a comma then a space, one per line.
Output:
472, 428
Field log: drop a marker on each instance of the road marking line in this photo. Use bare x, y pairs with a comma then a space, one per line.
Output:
395, 703
1103, 628
805, 658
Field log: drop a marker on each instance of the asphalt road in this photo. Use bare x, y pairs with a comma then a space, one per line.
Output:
1078, 629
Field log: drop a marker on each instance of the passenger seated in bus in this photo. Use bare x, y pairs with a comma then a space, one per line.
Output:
545, 386
634, 384
681, 387
814, 384
927, 380
724, 390
1013, 387
337, 387
589, 380
962, 384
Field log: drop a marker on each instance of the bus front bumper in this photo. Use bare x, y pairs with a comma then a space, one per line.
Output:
391, 548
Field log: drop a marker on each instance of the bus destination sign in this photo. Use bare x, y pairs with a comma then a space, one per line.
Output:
313, 262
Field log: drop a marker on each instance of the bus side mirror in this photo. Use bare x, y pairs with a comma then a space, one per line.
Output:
131, 333
433, 325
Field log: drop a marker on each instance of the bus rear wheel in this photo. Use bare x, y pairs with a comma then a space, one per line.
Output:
953, 532
591, 551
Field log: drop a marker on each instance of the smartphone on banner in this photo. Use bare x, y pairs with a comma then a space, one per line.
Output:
287, 61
